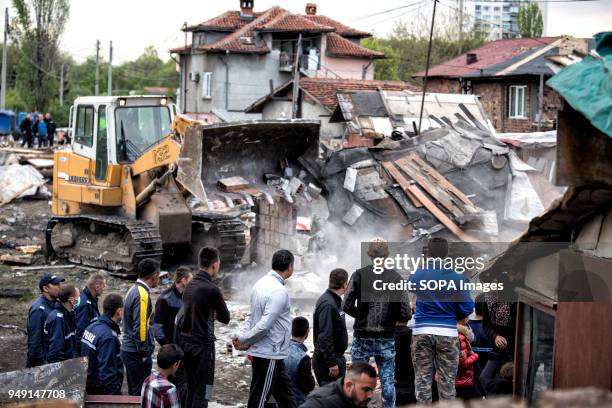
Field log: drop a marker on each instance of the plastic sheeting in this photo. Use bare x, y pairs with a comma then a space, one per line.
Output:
587, 86
18, 181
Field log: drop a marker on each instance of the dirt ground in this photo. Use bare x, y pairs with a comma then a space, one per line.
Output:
23, 222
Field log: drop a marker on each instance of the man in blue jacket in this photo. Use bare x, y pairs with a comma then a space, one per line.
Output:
102, 346
435, 341
87, 312
138, 341
60, 328
49, 286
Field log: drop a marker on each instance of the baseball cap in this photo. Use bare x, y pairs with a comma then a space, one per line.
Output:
49, 278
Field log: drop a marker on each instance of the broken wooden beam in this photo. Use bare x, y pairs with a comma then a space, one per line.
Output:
432, 188
427, 203
404, 184
440, 179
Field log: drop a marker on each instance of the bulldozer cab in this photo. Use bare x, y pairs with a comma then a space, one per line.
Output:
117, 130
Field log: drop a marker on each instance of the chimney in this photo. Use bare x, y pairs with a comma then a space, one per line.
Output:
311, 9
246, 9
471, 58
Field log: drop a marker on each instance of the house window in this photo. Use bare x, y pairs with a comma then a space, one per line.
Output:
517, 102
207, 85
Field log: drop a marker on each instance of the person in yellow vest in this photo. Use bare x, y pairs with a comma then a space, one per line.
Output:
138, 340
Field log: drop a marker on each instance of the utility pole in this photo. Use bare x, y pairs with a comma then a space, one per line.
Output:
110, 69
460, 26
97, 67
4, 60
433, 19
296, 78
61, 90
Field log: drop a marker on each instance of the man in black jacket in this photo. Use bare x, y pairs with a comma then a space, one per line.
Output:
202, 303
26, 131
51, 126
376, 314
168, 304
330, 335
352, 391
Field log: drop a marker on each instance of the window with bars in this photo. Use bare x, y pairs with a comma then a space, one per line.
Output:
516, 109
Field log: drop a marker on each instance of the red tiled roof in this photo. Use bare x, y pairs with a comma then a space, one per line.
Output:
325, 89
341, 47
341, 29
230, 21
288, 22
488, 55
233, 43
277, 19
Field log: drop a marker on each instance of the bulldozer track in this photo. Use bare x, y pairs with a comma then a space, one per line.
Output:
230, 238
145, 242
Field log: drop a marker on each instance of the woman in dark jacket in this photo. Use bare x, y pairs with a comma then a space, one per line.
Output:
499, 322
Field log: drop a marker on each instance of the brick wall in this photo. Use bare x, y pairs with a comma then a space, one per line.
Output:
274, 229
491, 96
441, 85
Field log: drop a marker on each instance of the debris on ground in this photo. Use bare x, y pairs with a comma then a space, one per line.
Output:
18, 181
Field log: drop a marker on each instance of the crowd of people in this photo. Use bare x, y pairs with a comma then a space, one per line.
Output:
424, 347
41, 128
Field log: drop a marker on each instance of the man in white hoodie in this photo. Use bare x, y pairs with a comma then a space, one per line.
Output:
267, 334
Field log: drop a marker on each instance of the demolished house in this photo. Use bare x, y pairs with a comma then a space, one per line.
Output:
455, 178
561, 265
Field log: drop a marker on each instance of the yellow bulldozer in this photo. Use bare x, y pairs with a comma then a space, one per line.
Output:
140, 181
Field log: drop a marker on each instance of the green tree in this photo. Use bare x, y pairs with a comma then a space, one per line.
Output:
36, 31
530, 21
406, 46
388, 68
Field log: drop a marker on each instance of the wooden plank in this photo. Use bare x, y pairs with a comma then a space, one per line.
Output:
440, 179
48, 267
431, 207
16, 259
434, 190
397, 176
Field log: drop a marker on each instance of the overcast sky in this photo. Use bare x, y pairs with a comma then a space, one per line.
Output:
134, 24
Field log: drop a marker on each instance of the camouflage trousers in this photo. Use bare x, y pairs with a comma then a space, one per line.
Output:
431, 353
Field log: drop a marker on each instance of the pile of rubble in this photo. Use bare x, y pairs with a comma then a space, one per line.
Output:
23, 172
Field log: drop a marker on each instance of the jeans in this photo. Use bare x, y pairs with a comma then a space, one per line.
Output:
383, 351
137, 368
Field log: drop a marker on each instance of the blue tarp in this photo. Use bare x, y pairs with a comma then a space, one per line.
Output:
587, 85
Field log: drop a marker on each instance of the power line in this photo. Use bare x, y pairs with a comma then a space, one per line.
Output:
420, 4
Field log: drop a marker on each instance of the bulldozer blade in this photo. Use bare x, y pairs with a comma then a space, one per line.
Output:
250, 149
190, 163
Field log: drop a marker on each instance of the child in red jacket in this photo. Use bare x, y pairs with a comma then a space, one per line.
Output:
464, 383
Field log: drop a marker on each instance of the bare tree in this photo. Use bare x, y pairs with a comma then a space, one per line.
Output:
36, 30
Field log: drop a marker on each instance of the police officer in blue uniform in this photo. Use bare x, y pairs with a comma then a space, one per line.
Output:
101, 344
88, 311
49, 286
60, 328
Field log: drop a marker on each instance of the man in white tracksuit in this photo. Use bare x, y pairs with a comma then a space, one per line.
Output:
267, 334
